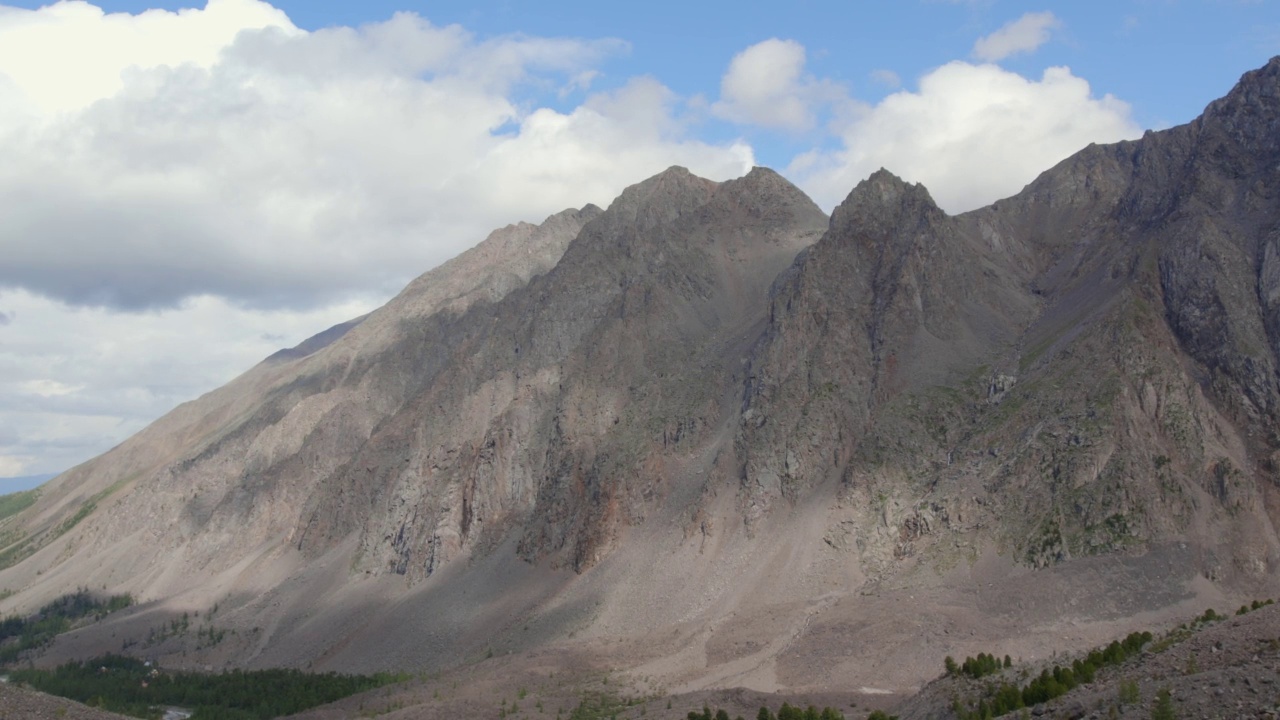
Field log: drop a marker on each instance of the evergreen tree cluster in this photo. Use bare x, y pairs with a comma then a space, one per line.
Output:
1255, 605
981, 666
786, 712
720, 714
1050, 684
132, 687
19, 634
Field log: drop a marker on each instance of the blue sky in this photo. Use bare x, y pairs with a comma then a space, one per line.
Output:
1166, 58
187, 190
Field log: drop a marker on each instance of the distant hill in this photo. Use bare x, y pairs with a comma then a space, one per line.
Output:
24, 482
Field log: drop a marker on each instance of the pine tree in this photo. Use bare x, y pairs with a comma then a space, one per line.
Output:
1163, 707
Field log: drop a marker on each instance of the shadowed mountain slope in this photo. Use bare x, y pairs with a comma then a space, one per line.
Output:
730, 438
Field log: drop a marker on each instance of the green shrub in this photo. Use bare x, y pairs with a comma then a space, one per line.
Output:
1162, 709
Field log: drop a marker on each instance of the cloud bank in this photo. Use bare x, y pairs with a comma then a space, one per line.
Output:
225, 152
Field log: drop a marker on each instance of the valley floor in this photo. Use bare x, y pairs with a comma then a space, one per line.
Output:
1226, 668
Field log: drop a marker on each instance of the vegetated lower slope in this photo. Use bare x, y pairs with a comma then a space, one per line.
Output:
140, 689
20, 702
731, 440
24, 636
1212, 666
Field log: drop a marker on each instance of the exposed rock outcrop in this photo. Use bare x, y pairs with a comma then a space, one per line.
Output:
711, 399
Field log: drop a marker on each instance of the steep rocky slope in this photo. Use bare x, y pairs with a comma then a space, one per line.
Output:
147, 472
1085, 368
732, 440
1225, 668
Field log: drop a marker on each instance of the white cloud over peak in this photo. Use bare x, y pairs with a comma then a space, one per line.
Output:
970, 133
765, 85
225, 152
1023, 35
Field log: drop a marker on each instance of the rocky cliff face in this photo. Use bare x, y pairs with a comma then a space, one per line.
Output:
552, 405
222, 477
1084, 368
786, 411
896, 300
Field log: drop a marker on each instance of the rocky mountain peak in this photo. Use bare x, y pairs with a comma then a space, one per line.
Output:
884, 206
881, 201
660, 199
887, 188
764, 179
1259, 88
1248, 118
767, 196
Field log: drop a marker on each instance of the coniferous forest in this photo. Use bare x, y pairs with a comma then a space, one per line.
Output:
21, 634
133, 687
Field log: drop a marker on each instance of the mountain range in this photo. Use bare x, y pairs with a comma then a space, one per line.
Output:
712, 437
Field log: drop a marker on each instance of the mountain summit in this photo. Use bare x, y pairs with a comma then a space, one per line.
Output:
731, 439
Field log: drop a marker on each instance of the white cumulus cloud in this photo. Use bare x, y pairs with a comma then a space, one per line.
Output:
66, 55
765, 85
225, 152
971, 133
1018, 36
